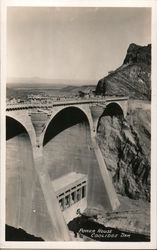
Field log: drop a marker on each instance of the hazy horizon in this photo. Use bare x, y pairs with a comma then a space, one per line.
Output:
47, 81
74, 44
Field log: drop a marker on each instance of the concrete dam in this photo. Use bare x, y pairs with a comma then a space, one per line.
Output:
46, 144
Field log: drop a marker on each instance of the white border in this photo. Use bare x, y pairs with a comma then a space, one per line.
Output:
80, 245
2, 120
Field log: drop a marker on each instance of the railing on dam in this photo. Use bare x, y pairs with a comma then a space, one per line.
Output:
28, 105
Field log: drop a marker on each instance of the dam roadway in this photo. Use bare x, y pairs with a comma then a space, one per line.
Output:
45, 142
67, 102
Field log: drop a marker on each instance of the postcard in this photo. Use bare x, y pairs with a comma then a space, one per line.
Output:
78, 94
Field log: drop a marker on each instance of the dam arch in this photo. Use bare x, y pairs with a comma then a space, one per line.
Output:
19, 173
24, 119
16, 127
67, 134
111, 109
79, 110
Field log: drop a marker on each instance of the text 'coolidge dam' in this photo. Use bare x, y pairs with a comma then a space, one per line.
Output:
61, 165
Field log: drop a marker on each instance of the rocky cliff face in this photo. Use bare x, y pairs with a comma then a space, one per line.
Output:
125, 145
133, 78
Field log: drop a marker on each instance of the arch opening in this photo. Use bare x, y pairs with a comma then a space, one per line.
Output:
112, 110
14, 128
64, 119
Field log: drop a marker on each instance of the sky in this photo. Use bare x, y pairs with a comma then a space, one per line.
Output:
72, 43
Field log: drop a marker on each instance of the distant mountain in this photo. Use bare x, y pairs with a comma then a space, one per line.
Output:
133, 78
45, 82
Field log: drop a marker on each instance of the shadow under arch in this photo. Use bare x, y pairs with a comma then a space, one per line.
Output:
14, 128
64, 119
112, 109
20, 175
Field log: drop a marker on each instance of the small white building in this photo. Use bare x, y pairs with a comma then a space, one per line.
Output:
71, 192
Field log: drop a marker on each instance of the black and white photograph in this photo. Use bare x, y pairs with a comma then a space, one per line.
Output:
78, 124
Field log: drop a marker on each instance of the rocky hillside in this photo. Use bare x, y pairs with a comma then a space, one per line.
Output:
133, 78
125, 145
